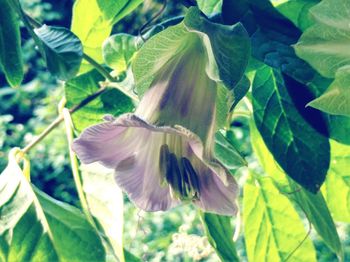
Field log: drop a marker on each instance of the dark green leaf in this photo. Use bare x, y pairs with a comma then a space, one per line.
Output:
35, 227
300, 150
230, 46
240, 91
111, 101
272, 227
63, 51
118, 51
220, 233
10, 45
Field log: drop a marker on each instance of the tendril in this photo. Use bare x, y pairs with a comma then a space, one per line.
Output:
146, 25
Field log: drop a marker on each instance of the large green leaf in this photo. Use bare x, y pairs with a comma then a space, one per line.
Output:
313, 205
336, 99
299, 149
10, 45
35, 227
272, 227
93, 20
220, 235
63, 51
111, 101
118, 51
105, 201
337, 186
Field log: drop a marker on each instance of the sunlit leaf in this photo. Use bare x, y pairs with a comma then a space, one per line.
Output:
10, 45
36, 227
272, 228
299, 149
111, 101
313, 205
220, 235
63, 51
337, 186
105, 201
93, 20
118, 50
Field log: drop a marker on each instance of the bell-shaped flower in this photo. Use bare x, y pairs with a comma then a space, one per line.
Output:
162, 154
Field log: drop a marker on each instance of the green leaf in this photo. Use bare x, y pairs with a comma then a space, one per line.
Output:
35, 227
111, 101
297, 11
209, 7
272, 227
314, 206
99, 185
118, 51
63, 51
227, 154
299, 149
324, 44
11, 62
220, 235
337, 185
94, 28
336, 99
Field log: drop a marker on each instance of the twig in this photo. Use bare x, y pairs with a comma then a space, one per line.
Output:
60, 118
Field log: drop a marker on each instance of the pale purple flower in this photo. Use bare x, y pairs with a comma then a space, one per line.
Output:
163, 153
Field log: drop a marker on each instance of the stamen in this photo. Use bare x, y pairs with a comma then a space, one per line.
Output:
190, 174
175, 174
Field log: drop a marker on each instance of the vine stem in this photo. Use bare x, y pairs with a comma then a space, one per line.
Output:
60, 119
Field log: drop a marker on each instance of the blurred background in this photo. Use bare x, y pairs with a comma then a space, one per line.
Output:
172, 236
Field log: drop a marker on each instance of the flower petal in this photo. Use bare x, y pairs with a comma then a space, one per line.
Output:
215, 197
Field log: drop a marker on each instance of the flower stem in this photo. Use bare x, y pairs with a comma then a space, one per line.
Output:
99, 68
60, 118
75, 165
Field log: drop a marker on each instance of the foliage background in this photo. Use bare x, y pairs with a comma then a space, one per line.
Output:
173, 236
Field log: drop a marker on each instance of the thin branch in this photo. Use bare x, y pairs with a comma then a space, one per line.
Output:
60, 119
